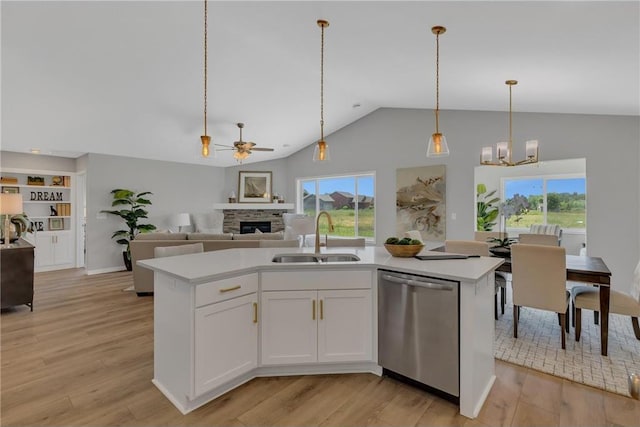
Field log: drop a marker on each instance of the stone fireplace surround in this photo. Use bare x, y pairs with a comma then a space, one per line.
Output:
232, 218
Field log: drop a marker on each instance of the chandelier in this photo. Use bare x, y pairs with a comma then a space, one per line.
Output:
321, 151
437, 143
504, 150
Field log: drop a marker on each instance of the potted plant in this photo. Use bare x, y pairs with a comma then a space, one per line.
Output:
486, 207
134, 211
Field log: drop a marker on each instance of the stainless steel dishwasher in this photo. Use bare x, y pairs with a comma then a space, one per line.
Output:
418, 332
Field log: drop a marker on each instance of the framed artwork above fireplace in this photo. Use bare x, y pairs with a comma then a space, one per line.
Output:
254, 187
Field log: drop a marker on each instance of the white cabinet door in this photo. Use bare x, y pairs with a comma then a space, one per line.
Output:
44, 250
53, 249
63, 248
289, 327
226, 341
345, 326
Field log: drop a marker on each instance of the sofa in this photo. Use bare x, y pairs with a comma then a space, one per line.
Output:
143, 246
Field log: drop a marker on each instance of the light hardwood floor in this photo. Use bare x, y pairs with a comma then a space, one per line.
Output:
84, 357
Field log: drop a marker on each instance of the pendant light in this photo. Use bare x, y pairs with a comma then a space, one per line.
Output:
437, 143
504, 150
206, 139
321, 151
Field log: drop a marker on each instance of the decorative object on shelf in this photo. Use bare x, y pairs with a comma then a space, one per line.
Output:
46, 196
321, 150
57, 180
36, 225
504, 150
242, 149
487, 210
437, 143
11, 211
11, 190
205, 139
180, 220
254, 187
66, 181
232, 197
35, 180
56, 223
63, 209
131, 215
420, 201
53, 211
8, 180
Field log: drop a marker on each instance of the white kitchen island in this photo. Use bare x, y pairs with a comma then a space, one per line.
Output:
224, 317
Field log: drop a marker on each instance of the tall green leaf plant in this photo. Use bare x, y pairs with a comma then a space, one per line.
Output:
487, 207
133, 212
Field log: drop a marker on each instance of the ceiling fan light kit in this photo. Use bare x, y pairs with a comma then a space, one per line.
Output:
321, 150
437, 146
504, 150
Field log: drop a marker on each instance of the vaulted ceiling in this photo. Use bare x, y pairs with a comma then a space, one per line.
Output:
126, 78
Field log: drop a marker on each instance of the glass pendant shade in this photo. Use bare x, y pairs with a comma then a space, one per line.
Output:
206, 140
531, 149
437, 146
240, 155
502, 150
321, 152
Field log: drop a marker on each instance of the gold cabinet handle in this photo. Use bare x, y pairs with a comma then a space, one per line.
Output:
321, 310
255, 312
313, 310
233, 288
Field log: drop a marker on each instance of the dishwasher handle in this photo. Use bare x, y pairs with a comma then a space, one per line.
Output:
413, 282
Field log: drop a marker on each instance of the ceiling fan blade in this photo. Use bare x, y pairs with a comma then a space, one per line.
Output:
220, 145
261, 149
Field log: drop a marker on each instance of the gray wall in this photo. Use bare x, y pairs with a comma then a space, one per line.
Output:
14, 160
176, 188
389, 139
383, 141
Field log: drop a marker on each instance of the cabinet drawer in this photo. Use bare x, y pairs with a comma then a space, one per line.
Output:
225, 289
307, 280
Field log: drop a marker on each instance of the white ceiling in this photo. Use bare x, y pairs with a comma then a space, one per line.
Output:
126, 78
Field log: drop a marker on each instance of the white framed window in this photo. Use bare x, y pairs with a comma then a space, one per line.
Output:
546, 199
349, 199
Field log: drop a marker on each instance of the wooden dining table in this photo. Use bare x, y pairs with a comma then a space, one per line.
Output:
591, 270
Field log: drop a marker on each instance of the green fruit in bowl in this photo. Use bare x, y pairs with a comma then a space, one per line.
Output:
392, 241
415, 242
405, 241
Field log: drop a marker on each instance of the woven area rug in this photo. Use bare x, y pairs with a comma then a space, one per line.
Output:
538, 347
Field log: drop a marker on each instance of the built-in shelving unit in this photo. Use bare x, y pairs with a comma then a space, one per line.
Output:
48, 202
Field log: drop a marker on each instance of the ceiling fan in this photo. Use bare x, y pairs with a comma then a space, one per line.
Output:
242, 149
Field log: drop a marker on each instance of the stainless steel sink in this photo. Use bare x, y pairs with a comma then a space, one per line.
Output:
339, 258
317, 258
287, 258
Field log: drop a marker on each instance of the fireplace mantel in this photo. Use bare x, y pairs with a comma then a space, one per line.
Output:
252, 206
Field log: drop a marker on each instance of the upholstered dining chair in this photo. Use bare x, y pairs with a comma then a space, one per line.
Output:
302, 227
538, 239
472, 247
588, 297
345, 243
165, 251
538, 280
551, 229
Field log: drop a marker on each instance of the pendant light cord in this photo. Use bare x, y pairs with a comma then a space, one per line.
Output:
322, 83
205, 66
437, 79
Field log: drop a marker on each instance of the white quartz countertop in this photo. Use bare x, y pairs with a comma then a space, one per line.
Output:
214, 265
